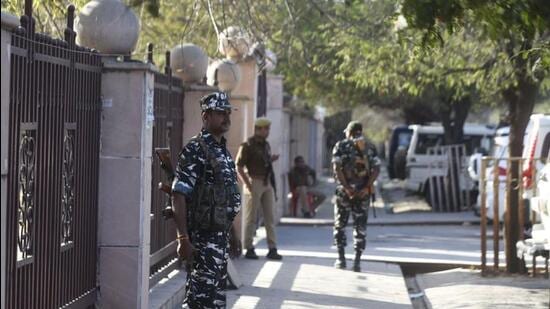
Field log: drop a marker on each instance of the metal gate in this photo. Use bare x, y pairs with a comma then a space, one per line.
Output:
449, 185
167, 133
53, 169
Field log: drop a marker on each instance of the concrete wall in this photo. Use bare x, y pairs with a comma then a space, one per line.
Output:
244, 97
8, 23
307, 138
278, 139
125, 171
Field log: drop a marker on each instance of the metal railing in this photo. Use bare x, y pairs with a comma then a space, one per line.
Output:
167, 133
53, 167
498, 170
448, 183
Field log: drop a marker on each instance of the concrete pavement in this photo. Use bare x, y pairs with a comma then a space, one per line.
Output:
419, 241
306, 278
313, 282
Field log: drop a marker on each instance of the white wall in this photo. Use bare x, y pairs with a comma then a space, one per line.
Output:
278, 138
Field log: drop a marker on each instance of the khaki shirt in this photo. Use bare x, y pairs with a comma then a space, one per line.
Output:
255, 155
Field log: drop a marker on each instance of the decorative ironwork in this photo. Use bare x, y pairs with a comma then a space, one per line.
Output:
25, 207
67, 187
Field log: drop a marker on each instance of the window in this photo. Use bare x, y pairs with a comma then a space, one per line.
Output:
428, 140
545, 148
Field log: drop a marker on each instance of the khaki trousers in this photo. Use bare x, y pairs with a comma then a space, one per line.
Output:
260, 197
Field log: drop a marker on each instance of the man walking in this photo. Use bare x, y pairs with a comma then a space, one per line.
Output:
301, 179
356, 167
205, 201
255, 155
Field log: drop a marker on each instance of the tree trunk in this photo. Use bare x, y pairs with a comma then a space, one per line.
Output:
453, 118
521, 100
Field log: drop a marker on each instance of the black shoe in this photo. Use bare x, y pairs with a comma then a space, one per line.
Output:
251, 254
356, 266
273, 255
340, 263
307, 215
341, 260
357, 262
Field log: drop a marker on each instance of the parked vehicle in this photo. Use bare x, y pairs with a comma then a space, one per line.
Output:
423, 137
536, 149
541, 203
500, 153
397, 153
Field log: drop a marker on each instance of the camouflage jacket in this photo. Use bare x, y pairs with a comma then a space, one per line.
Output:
191, 164
356, 165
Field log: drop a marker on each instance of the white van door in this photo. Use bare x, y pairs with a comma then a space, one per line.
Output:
418, 160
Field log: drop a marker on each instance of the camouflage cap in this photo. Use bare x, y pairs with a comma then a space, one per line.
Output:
217, 101
354, 126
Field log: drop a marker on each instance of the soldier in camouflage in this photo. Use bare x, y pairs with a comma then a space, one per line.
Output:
356, 167
204, 162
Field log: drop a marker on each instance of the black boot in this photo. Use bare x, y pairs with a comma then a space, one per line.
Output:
273, 255
357, 261
341, 260
251, 254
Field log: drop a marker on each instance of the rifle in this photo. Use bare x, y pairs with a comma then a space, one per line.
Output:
372, 199
271, 174
166, 164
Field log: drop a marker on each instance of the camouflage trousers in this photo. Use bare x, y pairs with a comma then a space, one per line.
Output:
206, 281
358, 208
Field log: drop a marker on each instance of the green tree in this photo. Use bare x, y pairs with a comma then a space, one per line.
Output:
520, 30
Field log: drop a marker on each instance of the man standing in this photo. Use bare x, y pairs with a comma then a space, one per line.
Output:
255, 155
356, 167
205, 201
300, 186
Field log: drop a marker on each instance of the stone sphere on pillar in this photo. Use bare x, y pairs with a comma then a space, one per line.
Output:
108, 26
189, 62
234, 43
224, 73
270, 60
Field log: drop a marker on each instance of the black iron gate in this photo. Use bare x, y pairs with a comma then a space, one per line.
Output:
53, 169
167, 133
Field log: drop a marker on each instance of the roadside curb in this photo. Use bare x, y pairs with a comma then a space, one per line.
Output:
371, 222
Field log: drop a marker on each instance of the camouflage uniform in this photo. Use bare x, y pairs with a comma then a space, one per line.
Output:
207, 279
357, 167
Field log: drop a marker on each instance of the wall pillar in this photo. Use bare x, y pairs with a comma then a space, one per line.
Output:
278, 139
125, 184
243, 98
8, 23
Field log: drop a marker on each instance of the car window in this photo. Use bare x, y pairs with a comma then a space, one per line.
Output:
472, 142
428, 140
545, 148
404, 139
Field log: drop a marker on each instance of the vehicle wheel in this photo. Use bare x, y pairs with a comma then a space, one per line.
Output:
400, 163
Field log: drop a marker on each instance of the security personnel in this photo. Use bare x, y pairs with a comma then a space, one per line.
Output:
206, 199
258, 179
356, 167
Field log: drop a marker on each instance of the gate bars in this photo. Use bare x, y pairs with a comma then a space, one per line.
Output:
52, 169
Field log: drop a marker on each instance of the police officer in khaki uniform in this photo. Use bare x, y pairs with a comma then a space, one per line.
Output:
255, 155
356, 167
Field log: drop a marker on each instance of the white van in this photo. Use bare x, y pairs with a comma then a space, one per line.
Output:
423, 137
536, 143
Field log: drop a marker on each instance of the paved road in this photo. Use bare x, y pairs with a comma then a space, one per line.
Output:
306, 278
